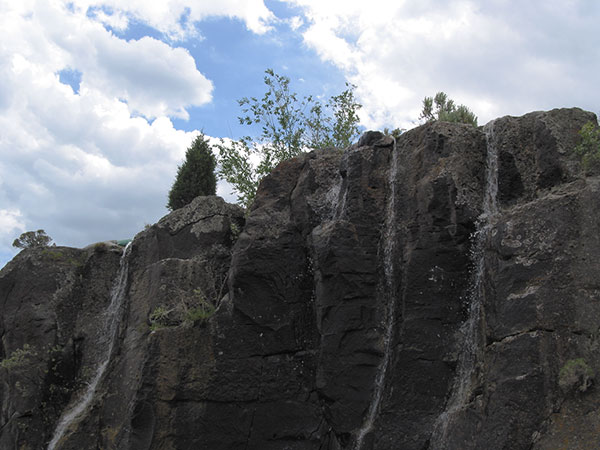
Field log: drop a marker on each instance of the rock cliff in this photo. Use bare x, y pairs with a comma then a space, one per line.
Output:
440, 291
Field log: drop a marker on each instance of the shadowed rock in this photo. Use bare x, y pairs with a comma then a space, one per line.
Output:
289, 354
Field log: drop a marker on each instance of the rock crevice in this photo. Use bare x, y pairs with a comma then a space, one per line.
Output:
338, 317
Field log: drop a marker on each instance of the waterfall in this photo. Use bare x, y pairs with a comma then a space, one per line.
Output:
389, 294
470, 330
112, 319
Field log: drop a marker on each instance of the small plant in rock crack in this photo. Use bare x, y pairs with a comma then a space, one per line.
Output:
202, 308
235, 230
160, 318
575, 375
18, 358
588, 148
192, 305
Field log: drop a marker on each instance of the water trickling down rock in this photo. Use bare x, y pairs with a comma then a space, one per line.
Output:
410, 316
112, 320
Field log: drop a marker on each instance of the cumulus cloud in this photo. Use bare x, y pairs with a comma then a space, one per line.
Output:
11, 226
84, 167
154, 78
176, 18
95, 162
496, 57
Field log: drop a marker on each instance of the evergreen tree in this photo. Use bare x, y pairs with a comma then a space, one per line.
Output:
196, 176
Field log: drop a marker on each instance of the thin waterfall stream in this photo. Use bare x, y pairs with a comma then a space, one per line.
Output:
389, 294
112, 319
470, 330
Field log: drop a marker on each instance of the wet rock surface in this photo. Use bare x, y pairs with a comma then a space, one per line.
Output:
276, 338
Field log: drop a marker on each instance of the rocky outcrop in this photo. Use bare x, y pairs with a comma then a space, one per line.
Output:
51, 301
368, 303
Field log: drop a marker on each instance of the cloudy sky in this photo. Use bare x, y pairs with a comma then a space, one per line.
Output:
100, 99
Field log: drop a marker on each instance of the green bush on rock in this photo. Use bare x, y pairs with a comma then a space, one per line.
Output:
159, 318
575, 375
187, 311
589, 146
18, 358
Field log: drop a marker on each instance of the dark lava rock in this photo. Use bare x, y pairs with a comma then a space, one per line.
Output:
340, 314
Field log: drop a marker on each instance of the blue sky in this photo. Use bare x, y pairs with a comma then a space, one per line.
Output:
99, 99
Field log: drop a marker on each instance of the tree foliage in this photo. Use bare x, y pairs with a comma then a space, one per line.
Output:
446, 110
196, 176
289, 124
589, 146
32, 239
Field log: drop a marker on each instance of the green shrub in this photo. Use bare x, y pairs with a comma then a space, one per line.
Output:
160, 318
33, 239
589, 146
58, 255
100, 247
55, 255
202, 309
576, 374
446, 110
18, 358
235, 230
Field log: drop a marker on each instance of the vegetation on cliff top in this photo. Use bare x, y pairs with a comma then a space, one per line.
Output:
31, 239
589, 146
196, 176
446, 110
289, 124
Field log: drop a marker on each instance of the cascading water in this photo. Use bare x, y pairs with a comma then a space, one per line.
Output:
112, 319
470, 330
389, 293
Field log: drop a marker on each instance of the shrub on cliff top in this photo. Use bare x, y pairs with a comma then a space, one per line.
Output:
589, 146
446, 110
31, 239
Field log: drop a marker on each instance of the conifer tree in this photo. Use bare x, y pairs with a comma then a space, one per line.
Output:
196, 176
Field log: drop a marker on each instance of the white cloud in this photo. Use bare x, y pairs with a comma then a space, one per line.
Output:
11, 226
83, 166
152, 77
97, 162
85, 169
176, 18
10, 221
496, 57
296, 23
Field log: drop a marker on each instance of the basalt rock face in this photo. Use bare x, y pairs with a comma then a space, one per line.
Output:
51, 300
345, 313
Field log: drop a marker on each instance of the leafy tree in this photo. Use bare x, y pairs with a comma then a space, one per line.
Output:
32, 239
446, 110
289, 125
196, 176
344, 123
589, 146
395, 133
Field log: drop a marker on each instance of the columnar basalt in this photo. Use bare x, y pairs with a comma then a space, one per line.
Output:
375, 299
